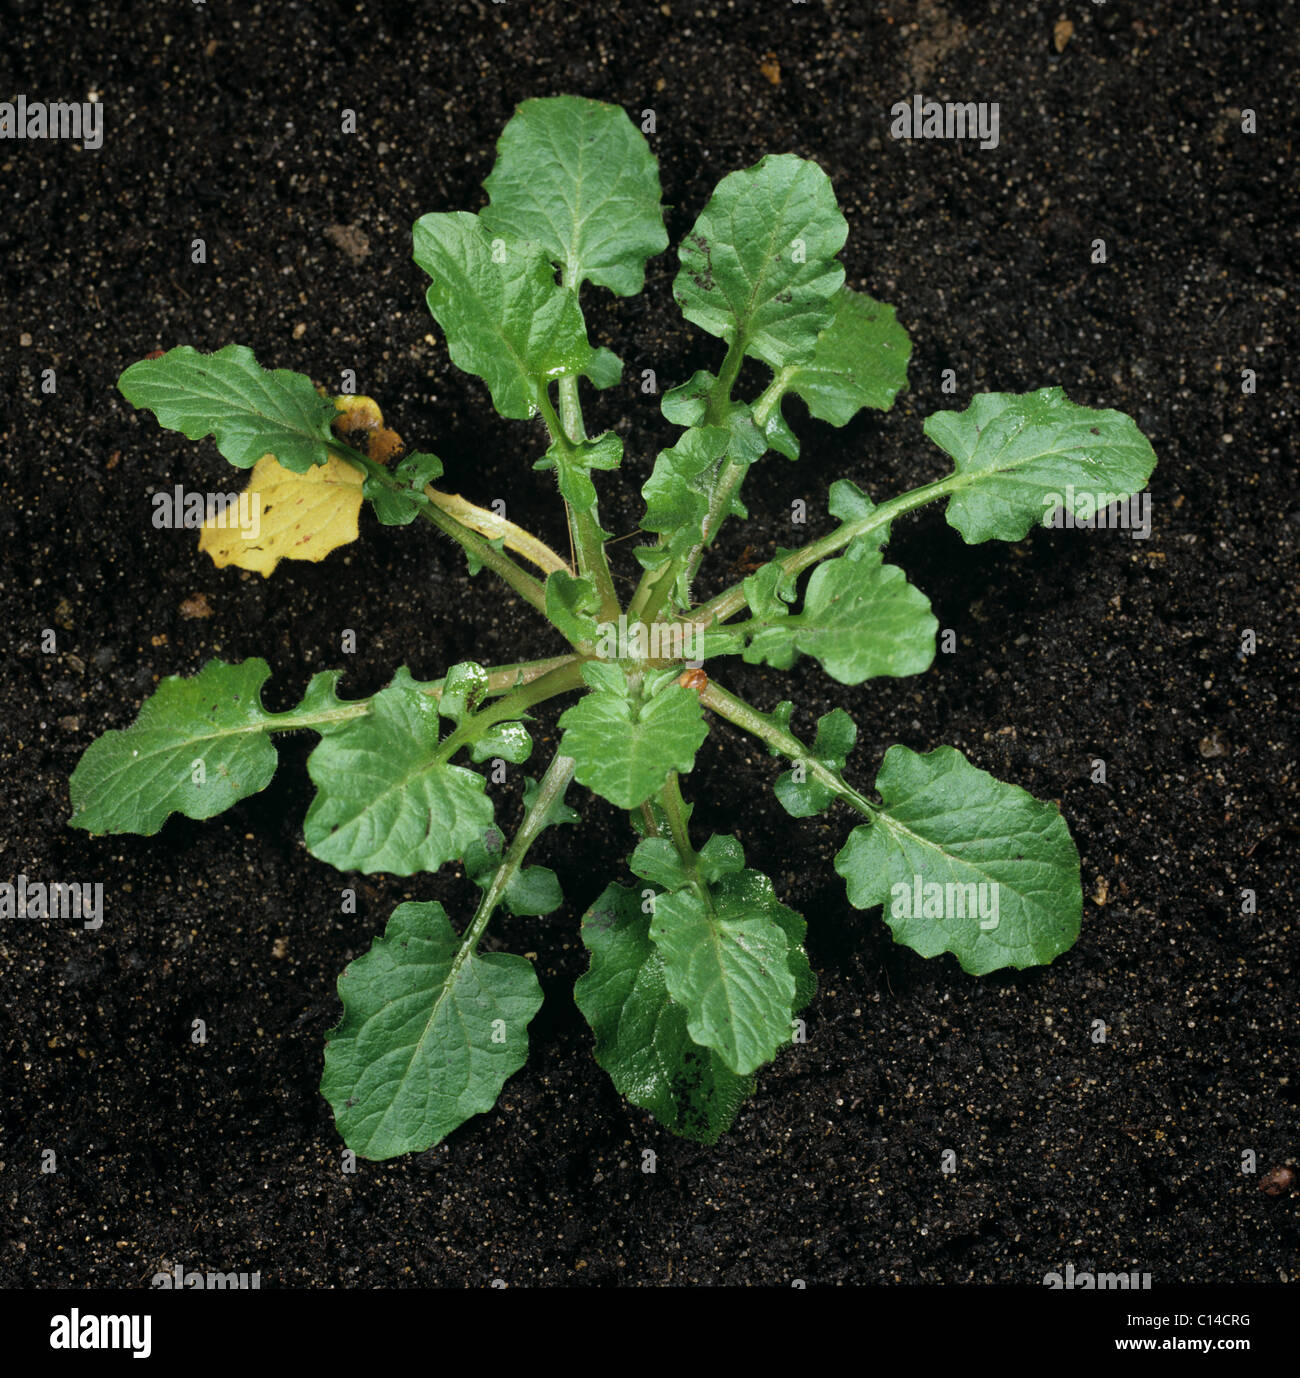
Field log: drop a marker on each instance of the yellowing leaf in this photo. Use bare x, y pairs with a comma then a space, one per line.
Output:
288, 516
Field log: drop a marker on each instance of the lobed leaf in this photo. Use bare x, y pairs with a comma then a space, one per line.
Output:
528, 890
801, 798
430, 1032
860, 619
1021, 455
198, 746
387, 797
859, 360
946, 823
759, 267
574, 463
732, 959
578, 177
626, 744
248, 410
505, 317
641, 1035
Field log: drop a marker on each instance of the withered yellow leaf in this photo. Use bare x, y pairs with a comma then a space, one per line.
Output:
288, 516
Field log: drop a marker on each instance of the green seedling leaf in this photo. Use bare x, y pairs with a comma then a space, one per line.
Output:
509, 741
860, 619
729, 963
572, 604
658, 861
859, 360
558, 813
778, 436
759, 268
605, 368
400, 507
430, 1032
680, 487
578, 177
802, 794
770, 590
966, 864
626, 746
248, 410
387, 797
198, 746
676, 493
574, 464
641, 1035
1020, 456
506, 319
686, 404
529, 889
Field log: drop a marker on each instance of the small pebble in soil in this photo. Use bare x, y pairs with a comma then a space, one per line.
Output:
196, 605
1213, 745
25, 340
350, 239
1277, 1181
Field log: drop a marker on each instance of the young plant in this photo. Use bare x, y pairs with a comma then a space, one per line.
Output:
697, 973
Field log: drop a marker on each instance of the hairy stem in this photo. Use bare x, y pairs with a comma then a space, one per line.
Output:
512, 706
733, 599
501, 680
496, 528
588, 539
769, 731
474, 544
554, 783
674, 807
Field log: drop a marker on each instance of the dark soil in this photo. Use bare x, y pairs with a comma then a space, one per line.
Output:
223, 124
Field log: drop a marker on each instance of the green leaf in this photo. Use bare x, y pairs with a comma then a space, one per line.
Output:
248, 410
641, 1035
680, 487
769, 590
1020, 456
575, 463
572, 604
779, 436
419, 470
686, 404
605, 368
558, 813
625, 746
675, 494
387, 798
657, 860
801, 798
1006, 856
759, 268
401, 507
529, 890
860, 619
506, 319
429, 1034
578, 177
860, 360
727, 961
198, 746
